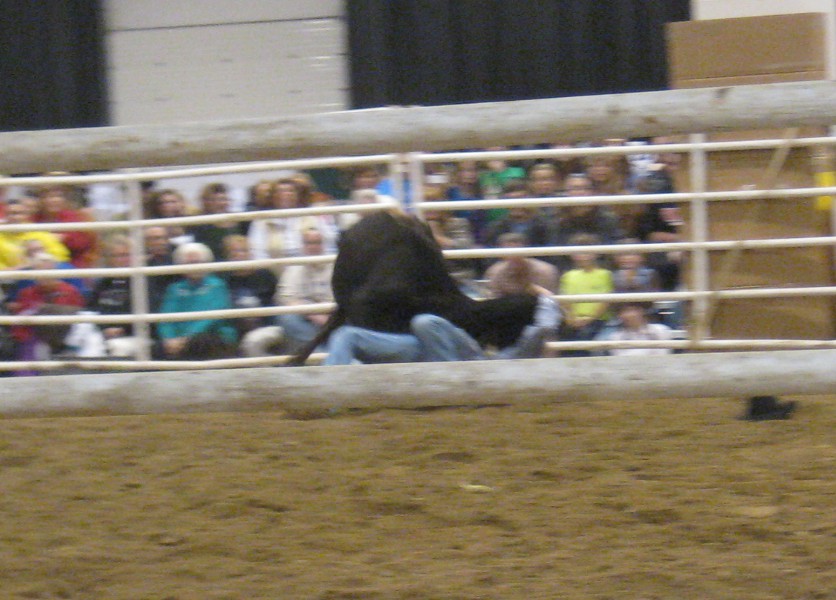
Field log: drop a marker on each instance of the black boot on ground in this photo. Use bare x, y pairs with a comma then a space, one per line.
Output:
768, 408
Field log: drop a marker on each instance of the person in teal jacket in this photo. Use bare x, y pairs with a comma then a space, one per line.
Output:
196, 291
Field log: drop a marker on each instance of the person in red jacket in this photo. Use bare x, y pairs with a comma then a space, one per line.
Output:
49, 295
55, 207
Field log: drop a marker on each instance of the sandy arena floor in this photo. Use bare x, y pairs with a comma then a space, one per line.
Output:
608, 500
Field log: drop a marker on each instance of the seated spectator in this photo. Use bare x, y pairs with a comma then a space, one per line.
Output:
363, 189
607, 174
55, 207
303, 284
566, 164
544, 180
282, 237
631, 274
33, 247
196, 291
367, 177
495, 178
610, 176
466, 186
577, 219
517, 274
520, 219
112, 296
451, 233
214, 200
158, 253
584, 320
259, 197
18, 213
309, 190
48, 296
633, 325
661, 223
170, 204
250, 287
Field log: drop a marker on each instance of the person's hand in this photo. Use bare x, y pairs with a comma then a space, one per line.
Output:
318, 319
113, 332
578, 322
174, 346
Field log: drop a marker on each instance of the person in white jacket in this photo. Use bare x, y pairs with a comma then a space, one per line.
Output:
633, 325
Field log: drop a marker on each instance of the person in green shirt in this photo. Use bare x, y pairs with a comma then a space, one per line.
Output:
494, 179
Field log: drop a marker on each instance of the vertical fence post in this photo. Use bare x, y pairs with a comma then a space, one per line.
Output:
700, 267
139, 281
396, 176
416, 181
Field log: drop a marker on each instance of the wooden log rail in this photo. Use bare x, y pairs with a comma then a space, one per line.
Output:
324, 390
432, 128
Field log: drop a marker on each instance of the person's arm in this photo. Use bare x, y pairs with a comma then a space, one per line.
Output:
51, 243
547, 314
290, 291
168, 329
11, 255
268, 290
82, 246
550, 278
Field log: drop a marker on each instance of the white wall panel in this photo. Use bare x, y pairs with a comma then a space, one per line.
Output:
226, 71
230, 43
148, 14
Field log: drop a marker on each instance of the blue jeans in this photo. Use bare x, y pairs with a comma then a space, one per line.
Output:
349, 344
298, 331
432, 339
442, 341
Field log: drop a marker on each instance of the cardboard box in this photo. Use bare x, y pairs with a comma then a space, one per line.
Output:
746, 50
753, 50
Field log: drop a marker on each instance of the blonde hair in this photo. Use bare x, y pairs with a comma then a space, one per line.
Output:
116, 240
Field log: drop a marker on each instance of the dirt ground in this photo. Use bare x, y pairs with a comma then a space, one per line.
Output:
607, 500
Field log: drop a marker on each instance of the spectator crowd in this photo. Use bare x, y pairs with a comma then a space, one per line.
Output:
574, 224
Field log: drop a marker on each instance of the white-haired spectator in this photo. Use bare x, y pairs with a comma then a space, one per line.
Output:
196, 291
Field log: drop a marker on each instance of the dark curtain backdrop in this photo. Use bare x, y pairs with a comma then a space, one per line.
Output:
454, 51
52, 64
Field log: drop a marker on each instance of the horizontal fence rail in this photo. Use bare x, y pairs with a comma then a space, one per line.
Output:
329, 390
372, 131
